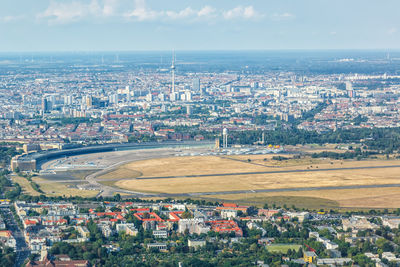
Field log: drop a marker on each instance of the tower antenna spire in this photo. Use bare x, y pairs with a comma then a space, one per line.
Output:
173, 71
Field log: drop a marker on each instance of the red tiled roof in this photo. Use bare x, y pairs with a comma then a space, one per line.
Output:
153, 217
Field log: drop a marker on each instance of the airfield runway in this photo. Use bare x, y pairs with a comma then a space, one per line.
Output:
115, 159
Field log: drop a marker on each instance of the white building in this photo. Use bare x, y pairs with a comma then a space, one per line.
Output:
160, 234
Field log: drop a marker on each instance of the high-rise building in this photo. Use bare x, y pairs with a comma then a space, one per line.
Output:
196, 84
128, 94
68, 100
174, 96
89, 101
225, 137
217, 143
188, 96
45, 105
53, 100
254, 85
349, 89
113, 98
203, 91
189, 110
149, 97
349, 86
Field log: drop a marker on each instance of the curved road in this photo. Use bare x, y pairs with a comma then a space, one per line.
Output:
107, 191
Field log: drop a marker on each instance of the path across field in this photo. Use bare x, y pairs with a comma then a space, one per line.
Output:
264, 172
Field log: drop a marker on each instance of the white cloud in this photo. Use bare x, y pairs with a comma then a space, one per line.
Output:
70, 11
184, 13
142, 13
206, 11
67, 11
242, 12
392, 31
282, 16
8, 19
110, 7
64, 12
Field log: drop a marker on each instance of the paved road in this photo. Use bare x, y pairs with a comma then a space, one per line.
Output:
105, 190
23, 251
108, 191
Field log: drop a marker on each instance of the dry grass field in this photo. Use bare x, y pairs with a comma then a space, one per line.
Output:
120, 173
209, 165
345, 198
25, 185
263, 181
181, 166
52, 189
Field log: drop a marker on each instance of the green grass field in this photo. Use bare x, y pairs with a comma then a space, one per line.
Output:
282, 248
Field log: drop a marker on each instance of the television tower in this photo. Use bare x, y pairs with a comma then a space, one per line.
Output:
173, 71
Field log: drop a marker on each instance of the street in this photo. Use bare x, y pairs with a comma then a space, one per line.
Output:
23, 251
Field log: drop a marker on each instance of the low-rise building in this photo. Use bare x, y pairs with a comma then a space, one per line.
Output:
333, 261
309, 256
128, 228
196, 243
160, 234
159, 246
358, 223
193, 226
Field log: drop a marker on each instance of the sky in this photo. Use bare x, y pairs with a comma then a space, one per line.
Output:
135, 25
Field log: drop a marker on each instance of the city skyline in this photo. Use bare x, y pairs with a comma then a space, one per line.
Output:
127, 25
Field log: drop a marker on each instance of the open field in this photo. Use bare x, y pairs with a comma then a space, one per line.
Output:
62, 189
282, 248
25, 185
174, 169
181, 166
120, 173
212, 166
345, 198
160, 172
